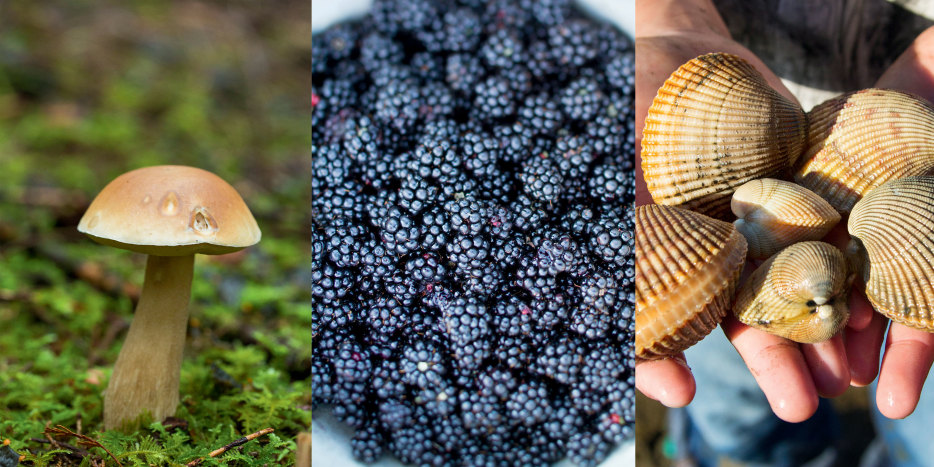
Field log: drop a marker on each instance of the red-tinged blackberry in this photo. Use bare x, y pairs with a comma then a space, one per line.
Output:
587, 449
494, 99
367, 443
573, 44
541, 114
481, 154
511, 316
616, 422
561, 360
331, 282
581, 99
542, 179
352, 363
436, 228
529, 403
378, 51
421, 364
468, 216
400, 233
462, 72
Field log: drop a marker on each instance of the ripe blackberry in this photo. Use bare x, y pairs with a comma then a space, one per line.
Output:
512, 316
481, 154
502, 49
462, 72
397, 106
415, 194
400, 233
581, 100
330, 282
620, 72
541, 114
436, 100
494, 99
514, 142
610, 183
468, 216
573, 45
436, 228
367, 443
421, 364
378, 51
611, 239
529, 404
542, 179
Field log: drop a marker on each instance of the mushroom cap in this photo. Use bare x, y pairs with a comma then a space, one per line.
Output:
170, 210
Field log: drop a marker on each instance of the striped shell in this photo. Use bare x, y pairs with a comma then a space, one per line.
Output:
687, 268
893, 228
800, 293
860, 140
773, 214
714, 125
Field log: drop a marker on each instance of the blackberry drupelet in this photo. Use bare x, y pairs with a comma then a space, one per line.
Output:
472, 263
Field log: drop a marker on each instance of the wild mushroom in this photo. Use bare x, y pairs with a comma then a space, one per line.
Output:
169, 213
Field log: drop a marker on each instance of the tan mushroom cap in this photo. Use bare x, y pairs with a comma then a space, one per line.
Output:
170, 210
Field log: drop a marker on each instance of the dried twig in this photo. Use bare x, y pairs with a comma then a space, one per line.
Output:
233, 444
83, 440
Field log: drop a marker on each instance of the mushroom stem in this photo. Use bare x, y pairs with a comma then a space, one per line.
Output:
145, 377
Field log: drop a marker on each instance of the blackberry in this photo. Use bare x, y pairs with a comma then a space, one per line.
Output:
494, 99
472, 272
367, 443
502, 50
581, 100
542, 179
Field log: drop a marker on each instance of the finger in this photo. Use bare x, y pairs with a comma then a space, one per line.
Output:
913, 70
862, 347
778, 367
668, 381
905, 364
828, 366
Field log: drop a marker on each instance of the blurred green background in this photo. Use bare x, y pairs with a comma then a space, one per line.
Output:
89, 90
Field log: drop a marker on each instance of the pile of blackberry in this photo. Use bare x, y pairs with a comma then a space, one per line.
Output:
472, 205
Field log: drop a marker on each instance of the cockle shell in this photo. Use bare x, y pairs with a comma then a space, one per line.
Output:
860, 140
893, 231
799, 293
687, 268
714, 125
773, 214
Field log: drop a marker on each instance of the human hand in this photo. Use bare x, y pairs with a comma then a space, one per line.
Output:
909, 353
791, 376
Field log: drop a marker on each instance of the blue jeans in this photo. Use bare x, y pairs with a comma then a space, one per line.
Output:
730, 418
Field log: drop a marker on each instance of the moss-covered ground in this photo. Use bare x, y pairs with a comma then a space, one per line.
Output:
89, 90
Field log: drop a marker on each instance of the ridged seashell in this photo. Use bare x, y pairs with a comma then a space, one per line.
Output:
714, 125
893, 228
773, 214
687, 268
800, 293
860, 140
